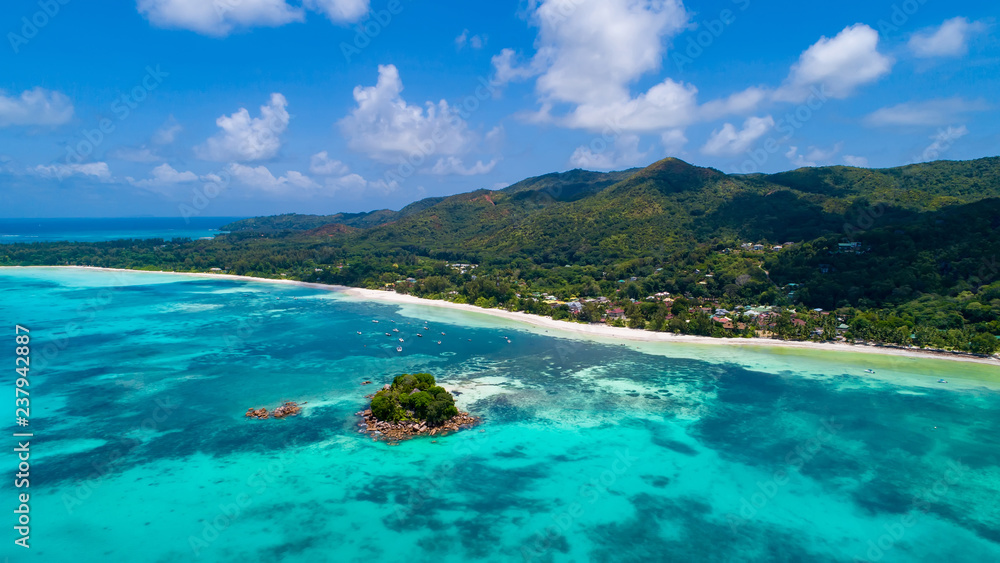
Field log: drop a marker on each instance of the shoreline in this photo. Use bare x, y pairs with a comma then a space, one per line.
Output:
592, 330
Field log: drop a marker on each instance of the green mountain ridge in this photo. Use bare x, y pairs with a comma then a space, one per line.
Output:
926, 238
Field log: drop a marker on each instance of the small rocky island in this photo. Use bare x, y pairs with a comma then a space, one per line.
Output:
289, 408
413, 405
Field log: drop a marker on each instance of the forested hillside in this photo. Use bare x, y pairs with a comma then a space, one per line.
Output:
907, 250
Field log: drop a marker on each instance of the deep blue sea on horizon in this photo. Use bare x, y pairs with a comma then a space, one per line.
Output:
97, 230
590, 450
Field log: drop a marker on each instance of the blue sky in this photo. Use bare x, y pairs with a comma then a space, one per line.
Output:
255, 107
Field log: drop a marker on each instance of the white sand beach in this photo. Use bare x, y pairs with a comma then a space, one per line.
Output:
592, 330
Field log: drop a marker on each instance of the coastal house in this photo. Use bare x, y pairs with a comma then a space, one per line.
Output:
615, 314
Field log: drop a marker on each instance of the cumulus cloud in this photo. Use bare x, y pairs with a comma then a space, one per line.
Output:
728, 141
340, 11
475, 41
929, 113
624, 154
244, 138
858, 161
590, 53
386, 128
507, 67
322, 165
97, 170
261, 178
950, 39
355, 185
674, 141
838, 65
595, 50
35, 107
165, 135
219, 19
814, 157
168, 132
453, 165
164, 175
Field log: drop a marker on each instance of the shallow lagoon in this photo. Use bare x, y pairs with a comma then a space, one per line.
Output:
590, 451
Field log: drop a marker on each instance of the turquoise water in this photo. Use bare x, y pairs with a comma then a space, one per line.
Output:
100, 230
590, 451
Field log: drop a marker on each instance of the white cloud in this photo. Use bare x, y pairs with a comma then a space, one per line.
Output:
475, 41
729, 141
162, 176
218, 18
932, 112
674, 141
508, 69
340, 11
321, 164
168, 132
838, 66
596, 48
624, 155
950, 39
589, 54
244, 138
386, 128
944, 139
355, 185
35, 107
742, 102
221, 17
261, 178
814, 157
97, 170
453, 165
858, 161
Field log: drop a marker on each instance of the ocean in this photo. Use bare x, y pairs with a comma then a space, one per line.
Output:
97, 230
590, 450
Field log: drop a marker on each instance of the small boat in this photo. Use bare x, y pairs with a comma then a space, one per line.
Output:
399, 348
376, 322
439, 342
400, 339
395, 330
869, 371
388, 334
420, 335
442, 334
359, 332
942, 381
